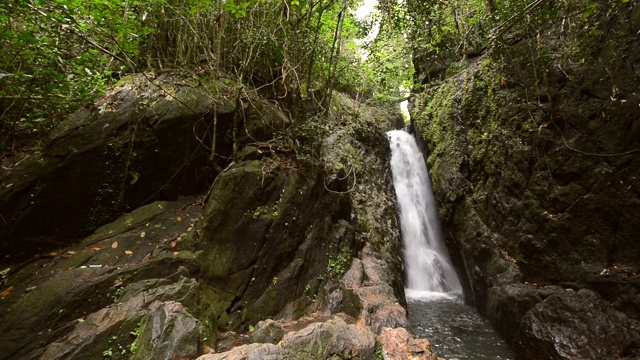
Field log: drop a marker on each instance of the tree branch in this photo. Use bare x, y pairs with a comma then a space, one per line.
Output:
93, 43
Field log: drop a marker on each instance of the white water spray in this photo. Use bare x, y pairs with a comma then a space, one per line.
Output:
428, 268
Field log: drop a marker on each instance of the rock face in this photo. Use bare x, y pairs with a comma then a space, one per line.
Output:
535, 164
88, 298
167, 330
272, 246
279, 258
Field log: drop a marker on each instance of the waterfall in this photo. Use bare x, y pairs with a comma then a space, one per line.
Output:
434, 302
428, 269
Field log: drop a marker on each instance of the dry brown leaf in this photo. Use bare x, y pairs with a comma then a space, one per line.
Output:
207, 350
7, 291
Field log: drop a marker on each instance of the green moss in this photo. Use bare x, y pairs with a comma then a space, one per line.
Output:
133, 347
268, 303
379, 352
339, 263
266, 210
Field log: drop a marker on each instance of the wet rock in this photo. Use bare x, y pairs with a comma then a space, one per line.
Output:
508, 305
577, 325
398, 344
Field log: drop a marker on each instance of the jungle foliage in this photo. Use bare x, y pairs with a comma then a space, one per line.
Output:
59, 54
440, 33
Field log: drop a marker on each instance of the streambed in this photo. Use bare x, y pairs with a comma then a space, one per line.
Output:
455, 330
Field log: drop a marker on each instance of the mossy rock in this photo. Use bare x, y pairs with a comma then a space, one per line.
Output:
273, 239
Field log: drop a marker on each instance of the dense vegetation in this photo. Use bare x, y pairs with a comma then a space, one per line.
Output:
58, 54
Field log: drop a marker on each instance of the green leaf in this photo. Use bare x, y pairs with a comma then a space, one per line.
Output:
28, 37
590, 10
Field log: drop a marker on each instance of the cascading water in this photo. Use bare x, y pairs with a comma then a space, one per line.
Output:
427, 263
433, 290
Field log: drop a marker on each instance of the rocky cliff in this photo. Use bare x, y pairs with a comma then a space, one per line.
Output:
279, 241
534, 151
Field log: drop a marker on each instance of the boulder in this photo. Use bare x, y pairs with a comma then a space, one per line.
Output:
577, 325
279, 233
369, 296
142, 141
508, 304
169, 332
112, 267
398, 344
267, 331
250, 352
331, 338
107, 327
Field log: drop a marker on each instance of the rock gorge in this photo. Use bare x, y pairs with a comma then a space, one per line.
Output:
192, 217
